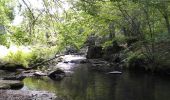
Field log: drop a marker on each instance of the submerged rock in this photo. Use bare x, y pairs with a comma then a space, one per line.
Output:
115, 72
11, 84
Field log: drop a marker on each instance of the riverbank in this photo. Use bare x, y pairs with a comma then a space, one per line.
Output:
26, 95
72, 71
56, 71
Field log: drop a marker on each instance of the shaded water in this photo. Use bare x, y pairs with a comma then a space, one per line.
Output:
87, 85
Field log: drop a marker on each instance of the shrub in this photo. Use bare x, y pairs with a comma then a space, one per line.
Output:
25, 56
19, 56
135, 60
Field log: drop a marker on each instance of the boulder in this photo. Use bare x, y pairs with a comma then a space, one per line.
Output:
114, 48
94, 52
57, 75
111, 53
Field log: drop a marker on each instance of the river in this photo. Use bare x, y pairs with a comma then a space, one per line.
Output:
85, 84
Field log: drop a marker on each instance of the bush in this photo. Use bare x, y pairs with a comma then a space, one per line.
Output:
43, 52
121, 39
19, 56
4, 39
136, 60
25, 56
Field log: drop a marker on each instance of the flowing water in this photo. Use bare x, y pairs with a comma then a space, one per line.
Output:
87, 85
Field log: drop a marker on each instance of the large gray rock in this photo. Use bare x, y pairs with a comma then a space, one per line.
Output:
94, 52
112, 53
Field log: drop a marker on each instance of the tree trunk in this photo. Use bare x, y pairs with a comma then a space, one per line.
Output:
111, 30
167, 22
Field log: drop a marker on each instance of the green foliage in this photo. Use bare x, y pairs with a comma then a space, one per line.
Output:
40, 52
4, 39
51, 31
6, 12
107, 43
120, 38
132, 57
19, 57
160, 37
19, 37
25, 56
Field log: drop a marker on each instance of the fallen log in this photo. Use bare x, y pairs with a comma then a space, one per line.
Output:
43, 62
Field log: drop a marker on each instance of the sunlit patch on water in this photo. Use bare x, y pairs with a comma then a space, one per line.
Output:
73, 57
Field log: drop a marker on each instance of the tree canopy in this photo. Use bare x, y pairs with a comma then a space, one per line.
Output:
59, 24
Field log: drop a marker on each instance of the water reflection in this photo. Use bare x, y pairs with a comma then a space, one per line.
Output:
86, 85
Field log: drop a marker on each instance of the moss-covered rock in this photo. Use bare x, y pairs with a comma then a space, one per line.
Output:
11, 84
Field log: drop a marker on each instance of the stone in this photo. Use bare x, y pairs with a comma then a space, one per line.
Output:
11, 84
57, 75
39, 73
115, 72
94, 52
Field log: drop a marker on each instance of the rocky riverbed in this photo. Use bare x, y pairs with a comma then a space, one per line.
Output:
26, 95
11, 82
56, 71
